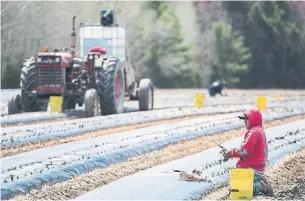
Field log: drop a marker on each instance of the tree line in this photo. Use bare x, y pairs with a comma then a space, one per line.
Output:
248, 44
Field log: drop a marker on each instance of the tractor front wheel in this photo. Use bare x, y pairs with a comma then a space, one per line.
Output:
92, 103
146, 95
14, 104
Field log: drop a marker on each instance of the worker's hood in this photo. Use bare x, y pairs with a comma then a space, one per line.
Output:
254, 116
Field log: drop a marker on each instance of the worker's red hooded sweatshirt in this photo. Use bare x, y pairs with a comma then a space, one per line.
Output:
253, 152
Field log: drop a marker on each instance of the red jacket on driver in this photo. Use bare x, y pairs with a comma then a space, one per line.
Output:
253, 152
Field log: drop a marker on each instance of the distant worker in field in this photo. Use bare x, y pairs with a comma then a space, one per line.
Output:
217, 87
253, 152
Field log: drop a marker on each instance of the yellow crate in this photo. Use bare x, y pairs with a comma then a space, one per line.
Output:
56, 103
261, 102
279, 99
241, 184
199, 100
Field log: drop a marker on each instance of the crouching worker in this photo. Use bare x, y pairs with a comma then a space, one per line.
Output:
253, 152
217, 87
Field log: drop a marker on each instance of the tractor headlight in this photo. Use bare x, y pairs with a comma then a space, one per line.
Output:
57, 59
97, 56
90, 57
39, 60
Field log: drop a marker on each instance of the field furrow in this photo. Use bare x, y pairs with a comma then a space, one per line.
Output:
286, 178
66, 156
165, 180
61, 162
79, 185
13, 136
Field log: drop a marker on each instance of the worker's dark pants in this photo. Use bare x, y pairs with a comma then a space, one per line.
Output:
256, 186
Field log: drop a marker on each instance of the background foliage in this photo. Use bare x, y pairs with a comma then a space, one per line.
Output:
177, 44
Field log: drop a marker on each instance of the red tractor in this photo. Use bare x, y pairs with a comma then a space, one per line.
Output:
99, 79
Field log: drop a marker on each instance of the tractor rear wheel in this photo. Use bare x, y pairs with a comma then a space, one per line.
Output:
92, 103
27, 85
110, 86
14, 106
146, 95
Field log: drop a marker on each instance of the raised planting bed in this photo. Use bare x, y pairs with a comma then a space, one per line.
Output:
164, 183
55, 164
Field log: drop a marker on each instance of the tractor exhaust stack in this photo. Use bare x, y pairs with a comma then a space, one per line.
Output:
73, 37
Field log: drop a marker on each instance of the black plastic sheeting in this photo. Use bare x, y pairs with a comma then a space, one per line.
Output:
102, 122
161, 182
38, 116
23, 186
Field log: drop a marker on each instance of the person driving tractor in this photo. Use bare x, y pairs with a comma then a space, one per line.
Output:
253, 152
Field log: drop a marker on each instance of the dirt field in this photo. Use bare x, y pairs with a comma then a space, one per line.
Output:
37, 145
287, 179
284, 181
97, 178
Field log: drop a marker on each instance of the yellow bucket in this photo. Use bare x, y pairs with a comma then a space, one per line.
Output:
56, 103
241, 184
199, 100
279, 99
261, 102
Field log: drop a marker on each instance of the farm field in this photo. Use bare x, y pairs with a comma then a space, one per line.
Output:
287, 178
64, 156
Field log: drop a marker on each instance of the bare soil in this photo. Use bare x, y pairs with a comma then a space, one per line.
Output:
87, 182
287, 179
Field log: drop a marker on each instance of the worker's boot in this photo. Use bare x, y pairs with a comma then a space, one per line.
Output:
266, 188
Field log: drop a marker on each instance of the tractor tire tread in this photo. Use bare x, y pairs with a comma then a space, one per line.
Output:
27, 84
105, 85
